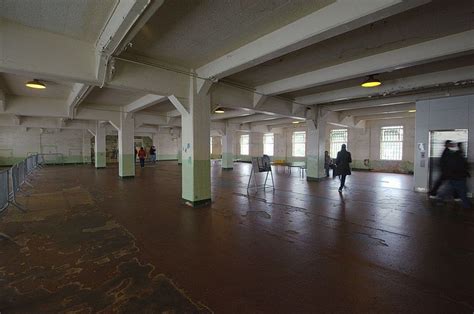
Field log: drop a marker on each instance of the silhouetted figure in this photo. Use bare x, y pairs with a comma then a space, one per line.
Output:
327, 162
142, 156
343, 168
456, 173
442, 166
153, 154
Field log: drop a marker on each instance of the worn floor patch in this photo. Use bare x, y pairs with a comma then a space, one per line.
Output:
65, 255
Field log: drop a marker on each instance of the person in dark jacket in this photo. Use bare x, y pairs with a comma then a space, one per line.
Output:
442, 166
327, 162
456, 173
342, 162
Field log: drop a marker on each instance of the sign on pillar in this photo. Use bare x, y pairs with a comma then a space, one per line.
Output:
126, 145
99, 147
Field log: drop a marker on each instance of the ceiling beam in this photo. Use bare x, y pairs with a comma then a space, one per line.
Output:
144, 102
397, 85
385, 61
234, 97
406, 99
279, 121
120, 29
379, 110
329, 21
44, 55
400, 115
231, 114
78, 93
252, 118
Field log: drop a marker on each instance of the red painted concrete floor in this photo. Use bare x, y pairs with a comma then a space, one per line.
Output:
378, 247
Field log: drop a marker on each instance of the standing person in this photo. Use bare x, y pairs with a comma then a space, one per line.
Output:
343, 168
142, 156
153, 154
327, 163
442, 167
456, 173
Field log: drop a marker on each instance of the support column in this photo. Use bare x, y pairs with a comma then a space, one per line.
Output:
228, 148
86, 147
126, 146
315, 147
99, 148
196, 164
180, 154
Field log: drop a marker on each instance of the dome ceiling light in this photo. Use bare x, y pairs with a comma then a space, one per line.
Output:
36, 84
371, 82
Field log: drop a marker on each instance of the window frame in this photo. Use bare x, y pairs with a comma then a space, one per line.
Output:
335, 146
385, 143
272, 136
242, 136
294, 143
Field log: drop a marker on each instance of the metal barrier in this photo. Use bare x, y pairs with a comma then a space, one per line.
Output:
12, 179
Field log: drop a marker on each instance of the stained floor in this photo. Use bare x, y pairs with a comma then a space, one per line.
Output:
303, 248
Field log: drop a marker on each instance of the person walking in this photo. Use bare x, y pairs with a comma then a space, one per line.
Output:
442, 166
343, 168
142, 156
153, 154
456, 173
327, 163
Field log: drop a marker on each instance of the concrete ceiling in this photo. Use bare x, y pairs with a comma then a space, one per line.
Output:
433, 20
15, 85
191, 33
222, 40
79, 19
112, 97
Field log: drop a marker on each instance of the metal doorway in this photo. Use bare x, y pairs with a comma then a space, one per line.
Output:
437, 140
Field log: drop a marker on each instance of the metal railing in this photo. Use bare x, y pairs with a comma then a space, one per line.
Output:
11, 180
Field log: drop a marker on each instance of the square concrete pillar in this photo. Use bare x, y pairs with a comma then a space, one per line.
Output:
228, 148
99, 144
195, 146
126, 146
315, 147
86, 147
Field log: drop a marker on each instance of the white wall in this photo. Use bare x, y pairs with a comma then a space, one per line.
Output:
440, 114
364, 144
16, 143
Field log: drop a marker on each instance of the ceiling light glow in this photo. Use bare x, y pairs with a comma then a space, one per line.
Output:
35, 84
371, 82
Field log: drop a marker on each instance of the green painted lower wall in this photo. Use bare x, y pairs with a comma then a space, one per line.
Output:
77, 159
126, 165
196, 180
395, 166
166, 157
227, 160
100, 160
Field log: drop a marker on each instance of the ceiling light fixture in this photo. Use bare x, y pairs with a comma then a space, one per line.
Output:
371, 81
295, 122
36, 84
219, 110
411, 111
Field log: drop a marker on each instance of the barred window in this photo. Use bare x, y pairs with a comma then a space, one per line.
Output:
268, 144
244, 144
299, 144
391, 143
337, 137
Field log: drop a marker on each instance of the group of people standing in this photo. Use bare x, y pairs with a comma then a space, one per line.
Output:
340, 167
142, 154
455, 171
